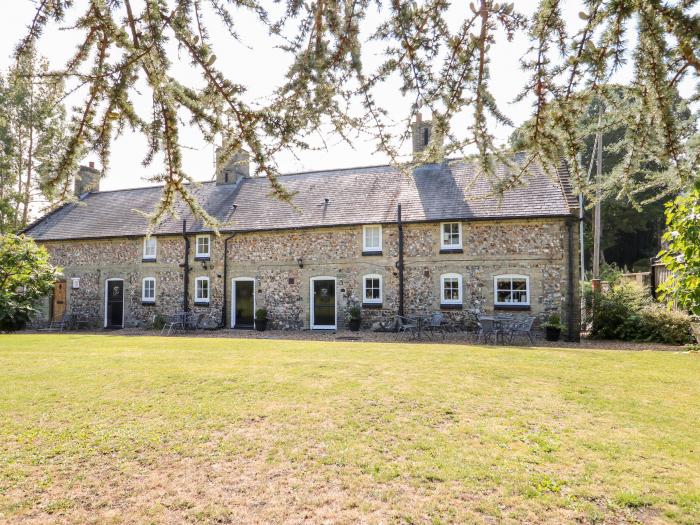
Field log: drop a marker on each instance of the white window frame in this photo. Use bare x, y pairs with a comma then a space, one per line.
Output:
511, 276
198, 280
443, 278
444, 246
365, 229
364, 289
199, 254
145, 299
147, 256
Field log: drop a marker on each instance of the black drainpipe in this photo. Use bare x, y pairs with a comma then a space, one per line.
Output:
399, 264
571, 334
223, 306
186, 269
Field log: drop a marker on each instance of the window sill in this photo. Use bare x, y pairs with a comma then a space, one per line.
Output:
369, 253
511, 307
202, 258
450, 306
451, 250
372, 305
148, 260
201, 303
148, 303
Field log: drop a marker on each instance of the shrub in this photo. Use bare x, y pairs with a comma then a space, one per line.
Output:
662, 325
627, 312
25, 277
261, 314
355, 312
158, 322
554, 321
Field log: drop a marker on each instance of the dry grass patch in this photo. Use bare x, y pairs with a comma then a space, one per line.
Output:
108, 429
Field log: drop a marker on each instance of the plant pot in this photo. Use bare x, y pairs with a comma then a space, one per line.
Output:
552, 333
354, 324
261, 325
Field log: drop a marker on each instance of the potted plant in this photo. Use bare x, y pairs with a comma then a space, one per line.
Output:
354, 318
261, 319
552, 328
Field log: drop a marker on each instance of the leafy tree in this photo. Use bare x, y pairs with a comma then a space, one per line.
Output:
632, 209
682, 255
25, 277
32, 138
439, 67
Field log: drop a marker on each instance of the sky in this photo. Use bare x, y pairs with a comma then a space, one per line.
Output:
258, 64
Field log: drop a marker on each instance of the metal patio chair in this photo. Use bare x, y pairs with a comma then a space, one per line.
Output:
488, 328
523, 328
437, 324
406, 325
175, 321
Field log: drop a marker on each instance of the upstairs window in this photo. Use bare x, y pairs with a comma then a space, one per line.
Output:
372, 289
203, 247
372, 239
451, 236
451, 289
201, 290
150, 246
511, 290
148, 290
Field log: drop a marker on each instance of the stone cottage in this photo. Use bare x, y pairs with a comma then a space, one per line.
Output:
435, 240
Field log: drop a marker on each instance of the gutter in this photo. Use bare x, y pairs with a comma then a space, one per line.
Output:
571, 334
317, 226
400, 263
186, 268
223, 303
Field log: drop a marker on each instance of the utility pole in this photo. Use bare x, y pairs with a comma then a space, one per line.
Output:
596, 211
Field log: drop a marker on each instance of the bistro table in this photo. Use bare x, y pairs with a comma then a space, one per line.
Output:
422, 320
498, 323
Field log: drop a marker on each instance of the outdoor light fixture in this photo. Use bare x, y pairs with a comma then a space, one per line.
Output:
300, 262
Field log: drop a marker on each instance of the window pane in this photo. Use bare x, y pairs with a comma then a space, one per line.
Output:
519, 284
372, 289
149, 289
203, 245
373, 237
202, 289
149, 247
503, 297
451, 289
450, 234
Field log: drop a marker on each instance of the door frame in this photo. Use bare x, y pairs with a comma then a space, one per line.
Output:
313, 324
52, 306
123, 299
233, 297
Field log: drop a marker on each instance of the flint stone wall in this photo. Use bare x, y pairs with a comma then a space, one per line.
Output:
283, 263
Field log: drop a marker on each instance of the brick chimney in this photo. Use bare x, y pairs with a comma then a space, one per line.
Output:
421, 131
87, 179
236, 168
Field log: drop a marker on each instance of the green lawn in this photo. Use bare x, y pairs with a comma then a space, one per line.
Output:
110, 429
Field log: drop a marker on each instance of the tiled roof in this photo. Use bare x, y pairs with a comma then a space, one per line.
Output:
354, 196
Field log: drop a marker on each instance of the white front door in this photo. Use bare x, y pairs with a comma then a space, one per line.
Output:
324, 303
